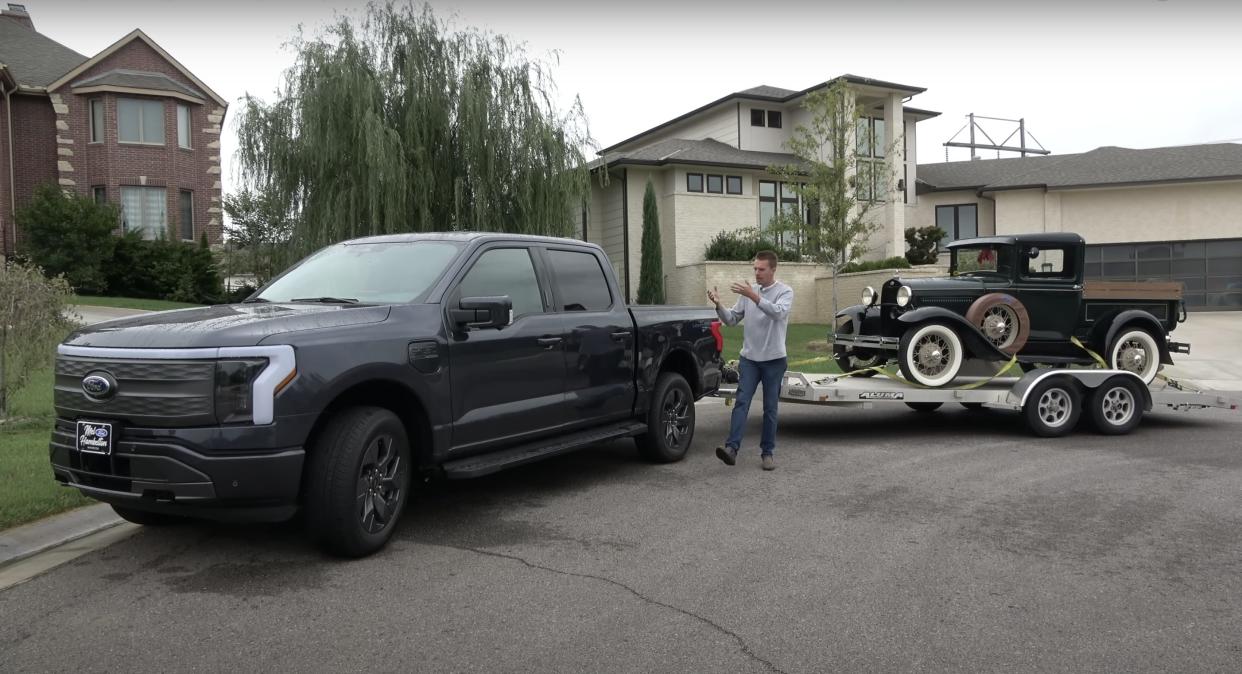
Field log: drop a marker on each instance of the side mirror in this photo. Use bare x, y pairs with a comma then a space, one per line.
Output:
482, 312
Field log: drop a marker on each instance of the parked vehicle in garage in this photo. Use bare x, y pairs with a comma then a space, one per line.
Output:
1010, 297
369, 364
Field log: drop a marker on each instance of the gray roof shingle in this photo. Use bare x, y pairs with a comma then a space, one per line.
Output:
1101, 166
34, 59
139, 79
766, 91
706, 152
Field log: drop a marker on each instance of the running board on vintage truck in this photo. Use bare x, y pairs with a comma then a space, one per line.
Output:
485, 464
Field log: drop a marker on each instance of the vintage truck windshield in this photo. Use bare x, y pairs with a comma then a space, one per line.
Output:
368, 273
989, 259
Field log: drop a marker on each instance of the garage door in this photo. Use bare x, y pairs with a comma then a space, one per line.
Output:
1211, 270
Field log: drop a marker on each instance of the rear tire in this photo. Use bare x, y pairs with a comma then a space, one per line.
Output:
1135, 350
1116, 406
670, 421
1052, 407
357, 481
147, 518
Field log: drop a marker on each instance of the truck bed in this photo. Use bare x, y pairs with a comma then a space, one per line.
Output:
1131, 290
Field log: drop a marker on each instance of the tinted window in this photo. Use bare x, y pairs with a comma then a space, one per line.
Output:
774, 119
505, 271
756, 117
580, 281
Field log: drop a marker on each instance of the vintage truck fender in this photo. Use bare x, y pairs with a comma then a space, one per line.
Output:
974, 341
1142, 319
855, 313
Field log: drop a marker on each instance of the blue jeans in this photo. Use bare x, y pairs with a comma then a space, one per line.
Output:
750, 372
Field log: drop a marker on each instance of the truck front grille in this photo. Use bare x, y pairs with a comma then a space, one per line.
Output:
148, 392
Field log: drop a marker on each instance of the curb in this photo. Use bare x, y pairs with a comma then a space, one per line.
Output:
30, 539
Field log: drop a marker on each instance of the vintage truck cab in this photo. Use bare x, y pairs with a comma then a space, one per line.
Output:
1019, 296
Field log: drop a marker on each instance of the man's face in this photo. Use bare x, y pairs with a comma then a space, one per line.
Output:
763, 273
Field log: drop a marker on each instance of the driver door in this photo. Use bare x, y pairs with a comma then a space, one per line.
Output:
509, 382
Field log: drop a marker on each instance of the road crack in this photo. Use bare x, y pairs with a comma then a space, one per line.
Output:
745, 648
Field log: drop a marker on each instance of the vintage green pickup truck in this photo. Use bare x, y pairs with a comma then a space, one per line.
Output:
1020, 296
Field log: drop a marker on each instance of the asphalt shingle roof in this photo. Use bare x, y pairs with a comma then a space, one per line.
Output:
139, 79
709, 152
1101, 166
767, 92
34, 59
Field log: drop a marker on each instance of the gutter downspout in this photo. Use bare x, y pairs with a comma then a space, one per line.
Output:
625, 227
8, 126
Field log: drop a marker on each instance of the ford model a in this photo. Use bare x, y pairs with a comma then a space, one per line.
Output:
1010, 297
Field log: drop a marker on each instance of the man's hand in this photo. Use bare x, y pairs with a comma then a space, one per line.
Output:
745, 290
713, 296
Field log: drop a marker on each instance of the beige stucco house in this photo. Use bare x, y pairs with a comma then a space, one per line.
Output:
709, 171
1171, 213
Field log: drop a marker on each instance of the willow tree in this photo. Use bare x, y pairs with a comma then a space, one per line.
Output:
395, 123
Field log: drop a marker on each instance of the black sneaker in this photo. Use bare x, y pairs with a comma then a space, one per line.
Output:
729, 456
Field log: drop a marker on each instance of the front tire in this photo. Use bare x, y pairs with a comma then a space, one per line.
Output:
358, 481
1135, 350
1116, 406
930, 354
1052, 407
849, 361
670, 421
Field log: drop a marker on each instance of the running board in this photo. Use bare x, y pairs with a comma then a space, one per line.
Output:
486, 464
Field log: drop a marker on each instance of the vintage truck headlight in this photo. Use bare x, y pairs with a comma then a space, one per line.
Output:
904, 295
234, 394
868, 296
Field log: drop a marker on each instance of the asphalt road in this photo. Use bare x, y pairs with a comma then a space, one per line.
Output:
886, 541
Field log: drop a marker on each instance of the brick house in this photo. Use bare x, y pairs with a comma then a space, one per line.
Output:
128, 125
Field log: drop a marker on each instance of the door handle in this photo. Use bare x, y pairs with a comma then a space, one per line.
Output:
621, 336
549, 342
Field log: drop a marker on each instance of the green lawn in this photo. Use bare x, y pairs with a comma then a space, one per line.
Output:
806, 344
27, 489
128, 303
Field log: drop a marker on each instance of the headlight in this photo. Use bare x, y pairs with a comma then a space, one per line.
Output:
234, 399
904, 295
868, 296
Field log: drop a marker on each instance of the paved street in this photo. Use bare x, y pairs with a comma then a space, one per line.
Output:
887, 540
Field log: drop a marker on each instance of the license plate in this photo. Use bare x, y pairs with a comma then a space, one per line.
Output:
95, 437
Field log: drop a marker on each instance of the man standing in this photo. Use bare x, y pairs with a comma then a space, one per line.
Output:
765, 310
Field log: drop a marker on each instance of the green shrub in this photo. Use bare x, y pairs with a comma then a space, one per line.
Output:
165, 270
922, 244
32, 322
742, 244
70, 235
873, 265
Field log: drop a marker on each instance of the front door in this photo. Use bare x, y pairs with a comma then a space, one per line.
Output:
506, 382
1047, 286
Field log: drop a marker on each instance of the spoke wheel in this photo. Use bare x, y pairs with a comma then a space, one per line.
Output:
1002, 320
670, 421
379, 490
931, 354
1136, 351
850, 359
1000, 325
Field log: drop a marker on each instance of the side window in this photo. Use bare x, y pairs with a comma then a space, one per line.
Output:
505, 271
580, 281
1047, 263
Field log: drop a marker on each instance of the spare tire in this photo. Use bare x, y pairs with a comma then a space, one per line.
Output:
1002, 320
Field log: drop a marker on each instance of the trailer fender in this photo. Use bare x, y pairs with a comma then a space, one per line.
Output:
975, 342
1140, 319
1088, 379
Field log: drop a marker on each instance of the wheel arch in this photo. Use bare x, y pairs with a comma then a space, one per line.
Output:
1138, 318
683, 363
392, 396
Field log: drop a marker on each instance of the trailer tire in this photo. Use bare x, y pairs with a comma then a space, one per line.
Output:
924, 407
1052, 407
1116, 406
670, 421
974, 407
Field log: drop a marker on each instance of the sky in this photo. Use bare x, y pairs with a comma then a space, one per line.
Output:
1083, 74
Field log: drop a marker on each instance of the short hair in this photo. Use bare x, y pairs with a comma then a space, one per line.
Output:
767, 256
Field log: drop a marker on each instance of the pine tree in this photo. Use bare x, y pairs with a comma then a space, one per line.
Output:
651, 272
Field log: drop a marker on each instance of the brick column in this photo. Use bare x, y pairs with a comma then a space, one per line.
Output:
215, 227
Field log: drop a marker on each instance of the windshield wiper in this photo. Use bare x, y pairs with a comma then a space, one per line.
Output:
254, 300
326, 300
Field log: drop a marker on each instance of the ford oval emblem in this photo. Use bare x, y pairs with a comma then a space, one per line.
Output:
99, 385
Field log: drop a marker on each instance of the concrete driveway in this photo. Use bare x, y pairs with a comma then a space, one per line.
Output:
1215, 358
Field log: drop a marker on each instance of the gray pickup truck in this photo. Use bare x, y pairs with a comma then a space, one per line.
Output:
369, 363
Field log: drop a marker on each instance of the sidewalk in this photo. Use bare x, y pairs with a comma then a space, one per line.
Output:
30, 539
1215, 358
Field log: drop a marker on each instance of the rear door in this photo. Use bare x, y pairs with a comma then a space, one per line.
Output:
506, 382
599, 336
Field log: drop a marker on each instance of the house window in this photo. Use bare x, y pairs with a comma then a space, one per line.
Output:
100, 194
715, 184
758, 116
772, 193
140, 121
870, 183
97, 120
183, 126
774, 119
694, 182
186, 215
960, 221
145, 210
733, 184
767, 203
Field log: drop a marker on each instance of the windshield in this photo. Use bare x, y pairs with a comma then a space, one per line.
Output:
370, 273
982, 259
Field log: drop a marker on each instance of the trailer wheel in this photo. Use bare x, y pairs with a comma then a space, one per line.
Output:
1116, 406
924, 407
1052, 407
670, 421
930, 354
974, 407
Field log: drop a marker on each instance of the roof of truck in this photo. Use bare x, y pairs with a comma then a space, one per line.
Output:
464, 237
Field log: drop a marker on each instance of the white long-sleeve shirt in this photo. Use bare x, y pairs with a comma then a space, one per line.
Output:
765, 323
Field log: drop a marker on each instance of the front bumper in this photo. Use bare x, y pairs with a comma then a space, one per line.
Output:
866, 341
159, 472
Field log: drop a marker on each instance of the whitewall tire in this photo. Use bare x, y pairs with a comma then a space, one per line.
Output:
931, 354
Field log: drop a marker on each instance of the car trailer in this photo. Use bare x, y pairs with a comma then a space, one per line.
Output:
1050, 400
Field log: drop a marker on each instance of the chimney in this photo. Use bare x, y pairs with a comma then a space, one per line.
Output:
17, 13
